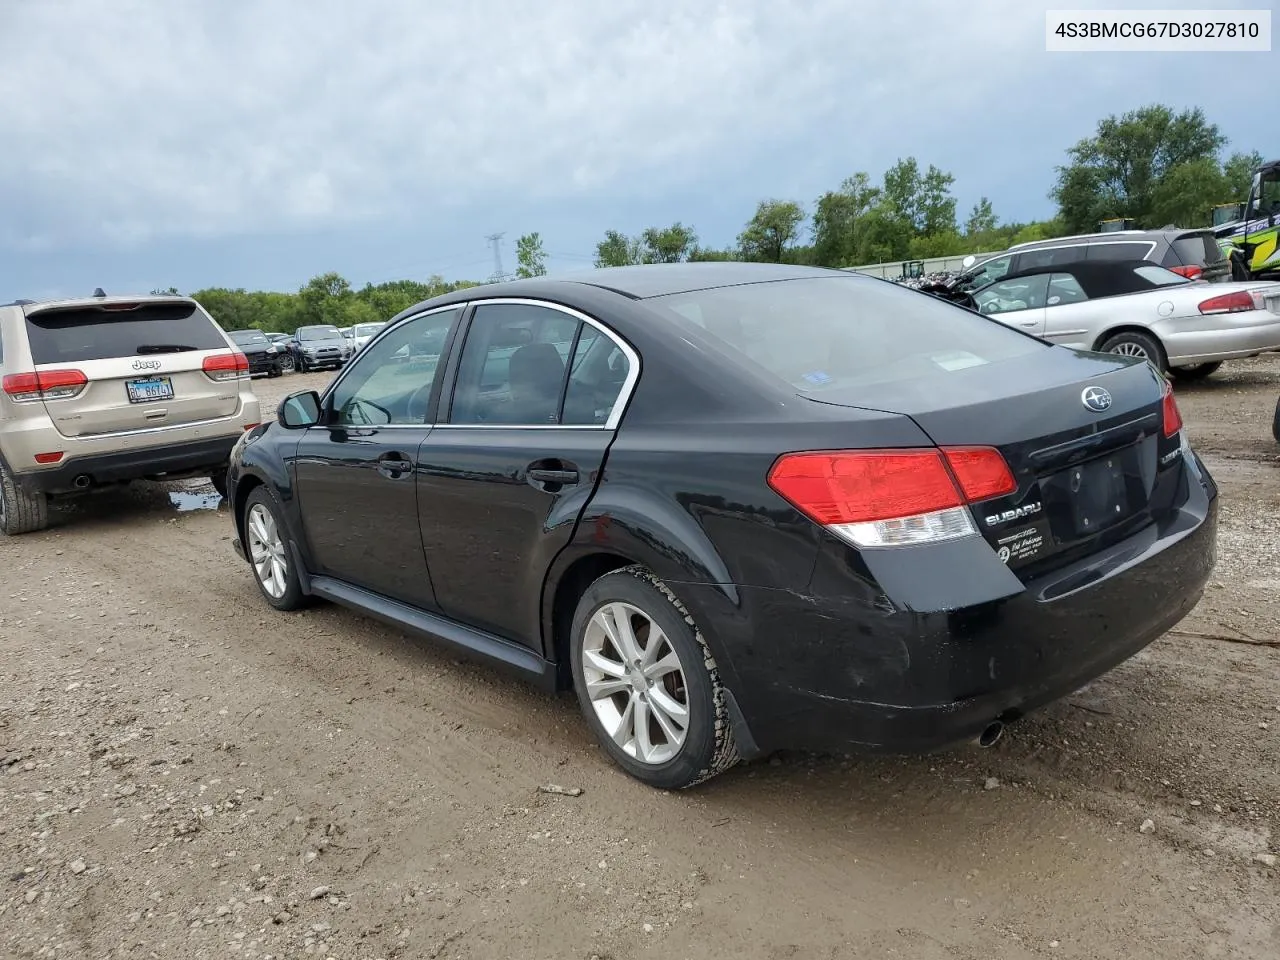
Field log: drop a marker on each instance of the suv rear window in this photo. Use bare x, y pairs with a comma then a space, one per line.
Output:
1196, 250
824, 333
96, 333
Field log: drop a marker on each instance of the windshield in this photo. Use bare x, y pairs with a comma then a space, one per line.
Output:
824, 333
368, 329
319, 333
247, 336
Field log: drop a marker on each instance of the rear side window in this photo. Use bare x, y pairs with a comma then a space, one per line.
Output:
824, 333
1119, 251
1194, 250
100, 333
1034, 259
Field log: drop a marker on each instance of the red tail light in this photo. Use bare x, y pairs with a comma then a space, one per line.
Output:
1237, 302
52, 456
226, 366
1191, 273
1170, 412
44, 385
888, 497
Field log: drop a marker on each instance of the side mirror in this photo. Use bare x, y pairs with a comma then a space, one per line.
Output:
298, 410
968, 261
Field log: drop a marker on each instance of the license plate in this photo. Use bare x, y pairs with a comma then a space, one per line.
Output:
149, 388
1096, 494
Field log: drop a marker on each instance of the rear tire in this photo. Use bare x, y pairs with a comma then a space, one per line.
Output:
268, 547
1132, 343
1199, 371
21, 510
636, 652
286, 365
1275, 423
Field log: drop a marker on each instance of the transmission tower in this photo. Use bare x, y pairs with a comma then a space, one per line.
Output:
496, 240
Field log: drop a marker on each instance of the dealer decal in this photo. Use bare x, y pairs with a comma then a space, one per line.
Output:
1021, 546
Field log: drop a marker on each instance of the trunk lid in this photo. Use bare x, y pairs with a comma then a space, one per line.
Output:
143, 360
1089, 472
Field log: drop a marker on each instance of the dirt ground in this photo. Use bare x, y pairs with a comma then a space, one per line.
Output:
186, 774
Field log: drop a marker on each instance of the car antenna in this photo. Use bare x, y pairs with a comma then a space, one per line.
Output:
99, 292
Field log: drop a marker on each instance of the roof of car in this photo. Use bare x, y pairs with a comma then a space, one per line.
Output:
1117, 236
1097, 277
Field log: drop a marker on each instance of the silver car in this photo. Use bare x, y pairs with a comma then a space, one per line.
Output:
1136, 308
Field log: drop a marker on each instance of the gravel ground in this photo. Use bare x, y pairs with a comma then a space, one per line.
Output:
185, 774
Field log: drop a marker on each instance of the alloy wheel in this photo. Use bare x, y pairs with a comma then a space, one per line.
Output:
267, 551
636, 683
1131, 349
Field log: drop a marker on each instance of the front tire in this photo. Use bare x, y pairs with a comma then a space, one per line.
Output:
286, 365
647, 682
1132, 343
219, 481
1275, 423
266, 543
21, 510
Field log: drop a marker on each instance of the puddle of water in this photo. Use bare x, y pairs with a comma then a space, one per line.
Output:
186, 500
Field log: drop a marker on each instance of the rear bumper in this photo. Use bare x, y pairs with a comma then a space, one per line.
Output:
856, 674
194, 457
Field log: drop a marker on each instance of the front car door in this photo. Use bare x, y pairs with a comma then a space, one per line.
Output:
514, 458
1070, 318
1017, 302
355, 471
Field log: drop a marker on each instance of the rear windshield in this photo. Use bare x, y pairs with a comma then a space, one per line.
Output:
95, 333
823, 333
247, 337
319, 333
1197, 250
1159, 276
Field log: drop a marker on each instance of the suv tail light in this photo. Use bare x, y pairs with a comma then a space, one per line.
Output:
878, 498
1237, 302
1169, 412
1191, 273
44, 385
226, 366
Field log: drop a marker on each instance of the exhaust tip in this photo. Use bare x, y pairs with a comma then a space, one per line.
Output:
82, 482
991, 735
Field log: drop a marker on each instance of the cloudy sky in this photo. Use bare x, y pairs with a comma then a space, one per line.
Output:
256, 143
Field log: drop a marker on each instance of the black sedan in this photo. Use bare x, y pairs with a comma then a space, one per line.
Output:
263, 355
739, 507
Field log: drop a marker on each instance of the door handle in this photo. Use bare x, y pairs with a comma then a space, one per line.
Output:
554, 476
395, 466
1030, 323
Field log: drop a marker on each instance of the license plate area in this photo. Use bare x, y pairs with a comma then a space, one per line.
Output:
1091, 497
149, 389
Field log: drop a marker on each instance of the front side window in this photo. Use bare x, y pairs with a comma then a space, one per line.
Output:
1007, 296
988, 273
391, 381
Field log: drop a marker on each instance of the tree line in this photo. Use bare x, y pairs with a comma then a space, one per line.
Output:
1153, 166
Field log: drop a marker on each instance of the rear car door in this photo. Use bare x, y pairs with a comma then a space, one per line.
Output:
355, 471
1069, 316
148, 364
513, 461
1017, 302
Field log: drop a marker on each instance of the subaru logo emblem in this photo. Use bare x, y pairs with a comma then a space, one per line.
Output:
1096, 399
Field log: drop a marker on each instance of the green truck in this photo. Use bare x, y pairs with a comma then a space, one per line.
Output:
1249, 232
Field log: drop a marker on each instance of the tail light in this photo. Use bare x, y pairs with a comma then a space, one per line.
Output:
1170, 413
876, 498
226, 366
1191, 273
1238, 302
44, 385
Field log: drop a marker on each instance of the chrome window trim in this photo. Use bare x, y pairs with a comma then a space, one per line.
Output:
351, 364
624, 393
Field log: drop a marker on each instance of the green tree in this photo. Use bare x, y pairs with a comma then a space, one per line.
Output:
774, 227
1237, 175
1118, 171
668, 244
981, 220
617, 250
922, 201
325, 299
837, 217
531, 260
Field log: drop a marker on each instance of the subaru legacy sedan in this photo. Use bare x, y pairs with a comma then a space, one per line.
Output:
739, 507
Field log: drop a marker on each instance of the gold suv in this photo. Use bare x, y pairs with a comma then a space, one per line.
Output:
106, 390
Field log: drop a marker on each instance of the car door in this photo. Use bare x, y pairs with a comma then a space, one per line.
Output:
355, 471
1070, 318
513, 460
1016, 302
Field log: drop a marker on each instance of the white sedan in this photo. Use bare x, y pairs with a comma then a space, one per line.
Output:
1136, 308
